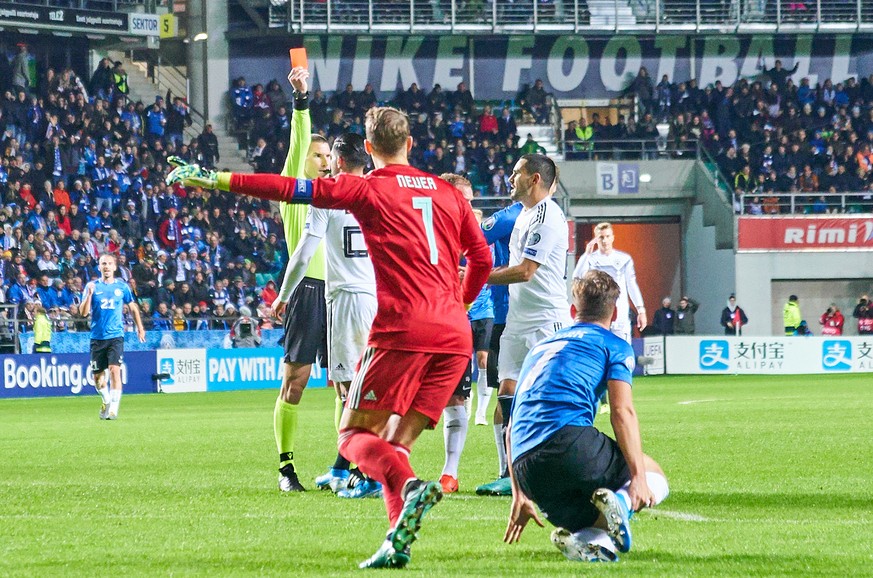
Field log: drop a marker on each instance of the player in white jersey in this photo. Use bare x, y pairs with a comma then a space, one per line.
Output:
350, 295
536, 275
620, 266
602, 256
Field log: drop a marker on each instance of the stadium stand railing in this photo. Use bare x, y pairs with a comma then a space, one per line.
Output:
566, 15
804, 203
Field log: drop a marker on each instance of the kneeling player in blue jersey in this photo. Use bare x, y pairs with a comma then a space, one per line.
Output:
585, 483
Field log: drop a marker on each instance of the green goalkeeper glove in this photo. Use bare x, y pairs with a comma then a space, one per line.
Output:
191, 175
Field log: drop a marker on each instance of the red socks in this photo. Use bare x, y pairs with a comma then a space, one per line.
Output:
384, 462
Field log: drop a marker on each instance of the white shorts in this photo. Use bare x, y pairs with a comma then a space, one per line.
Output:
514, 347
622, 330
349, 318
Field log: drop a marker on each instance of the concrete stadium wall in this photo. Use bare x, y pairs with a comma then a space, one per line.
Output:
670, 179
709, 274
763, 278
814, 299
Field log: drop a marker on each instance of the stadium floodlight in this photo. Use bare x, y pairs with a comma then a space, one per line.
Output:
200, 36
645, 178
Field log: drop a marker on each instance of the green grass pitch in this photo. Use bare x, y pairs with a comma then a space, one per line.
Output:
769, 476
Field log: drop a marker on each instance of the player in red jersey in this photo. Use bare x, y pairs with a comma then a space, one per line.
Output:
415, 225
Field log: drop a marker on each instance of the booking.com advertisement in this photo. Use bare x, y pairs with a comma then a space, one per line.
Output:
46, 375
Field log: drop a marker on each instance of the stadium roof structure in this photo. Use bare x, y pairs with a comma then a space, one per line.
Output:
279, 17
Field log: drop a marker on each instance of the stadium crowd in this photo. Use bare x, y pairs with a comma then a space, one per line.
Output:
452, 132
83, 166
769, 135
82, 173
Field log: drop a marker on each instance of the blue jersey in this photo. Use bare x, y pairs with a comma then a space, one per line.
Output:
106, 309
482, 307
561, 380
498, 229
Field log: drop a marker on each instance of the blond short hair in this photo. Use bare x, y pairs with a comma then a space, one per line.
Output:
387, 130
602, 226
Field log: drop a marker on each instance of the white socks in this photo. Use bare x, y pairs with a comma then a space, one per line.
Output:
104, 394
657, 484
114, 400
455, 434
483, 396
500, 442
595, 536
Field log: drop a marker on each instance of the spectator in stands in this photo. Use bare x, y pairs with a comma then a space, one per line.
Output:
119, 79
413, 100
436, 100
318, 110
462, 100
584, 138
21, 70
537, 102
366, 99
506, 127
178, 119
488, 125
243, 102
156, 121
531, 146
500, 185
275, 95
643, 89
262, 158
345, 101
778, 75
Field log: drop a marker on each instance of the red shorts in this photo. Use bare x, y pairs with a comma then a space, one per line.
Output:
399, 381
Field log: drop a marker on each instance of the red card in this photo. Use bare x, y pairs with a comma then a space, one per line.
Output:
298, 58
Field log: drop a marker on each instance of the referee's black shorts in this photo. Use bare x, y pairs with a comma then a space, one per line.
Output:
494, 353
305, 325
561, 474
106, 352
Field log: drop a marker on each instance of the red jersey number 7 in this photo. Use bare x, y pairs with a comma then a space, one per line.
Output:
425, 205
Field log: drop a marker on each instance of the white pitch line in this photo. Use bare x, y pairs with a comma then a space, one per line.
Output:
682, 516
691, 401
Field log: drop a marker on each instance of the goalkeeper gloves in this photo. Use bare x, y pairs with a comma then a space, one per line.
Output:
191, 175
